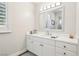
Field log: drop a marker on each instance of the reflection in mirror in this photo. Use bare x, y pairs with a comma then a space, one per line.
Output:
54, 19
59, 18
50, 21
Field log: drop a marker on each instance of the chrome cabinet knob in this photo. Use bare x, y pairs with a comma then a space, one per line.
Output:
64, 46
64, 53
41, 45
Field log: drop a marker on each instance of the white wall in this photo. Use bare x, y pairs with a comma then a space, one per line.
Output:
77, 19
77, 24
70, 17
21, 17
37, 16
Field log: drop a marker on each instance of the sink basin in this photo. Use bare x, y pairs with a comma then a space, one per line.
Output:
54, 36
43, 34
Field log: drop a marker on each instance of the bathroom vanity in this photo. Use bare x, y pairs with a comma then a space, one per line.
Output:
57, 19
49, 45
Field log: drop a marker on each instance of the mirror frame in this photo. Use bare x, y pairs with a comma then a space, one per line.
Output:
63, 14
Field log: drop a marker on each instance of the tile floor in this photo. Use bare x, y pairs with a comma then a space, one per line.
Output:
27, 54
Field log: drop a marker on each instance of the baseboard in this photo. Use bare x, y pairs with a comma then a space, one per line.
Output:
18, 52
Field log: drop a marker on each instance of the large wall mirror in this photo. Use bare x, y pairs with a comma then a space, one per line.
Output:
52, 18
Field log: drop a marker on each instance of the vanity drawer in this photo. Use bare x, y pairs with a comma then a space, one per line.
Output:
62, 52
44, 40
66, 46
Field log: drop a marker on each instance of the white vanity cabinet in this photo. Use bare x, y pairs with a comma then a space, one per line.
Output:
42, 49
65, 49
29, 44
33, 45
41, 46
48, 50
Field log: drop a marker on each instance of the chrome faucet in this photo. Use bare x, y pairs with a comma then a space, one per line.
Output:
48, 33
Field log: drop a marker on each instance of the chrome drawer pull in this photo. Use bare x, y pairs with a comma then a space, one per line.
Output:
64, 53
41, 45
64, 46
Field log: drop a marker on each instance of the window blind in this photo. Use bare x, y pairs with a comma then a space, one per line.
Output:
2, 13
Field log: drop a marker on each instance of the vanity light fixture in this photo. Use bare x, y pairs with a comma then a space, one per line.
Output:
48, 6
44, 7
53, 5
58, 4
41, 8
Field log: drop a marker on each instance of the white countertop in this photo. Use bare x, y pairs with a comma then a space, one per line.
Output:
40, 35
68, 40
63, 38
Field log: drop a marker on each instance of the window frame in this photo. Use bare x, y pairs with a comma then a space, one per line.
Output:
6, 27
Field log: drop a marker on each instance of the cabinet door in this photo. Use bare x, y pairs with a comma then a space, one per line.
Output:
48, 50
37, 48
30, 45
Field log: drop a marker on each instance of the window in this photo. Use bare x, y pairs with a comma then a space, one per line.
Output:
4, 25
2, 14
